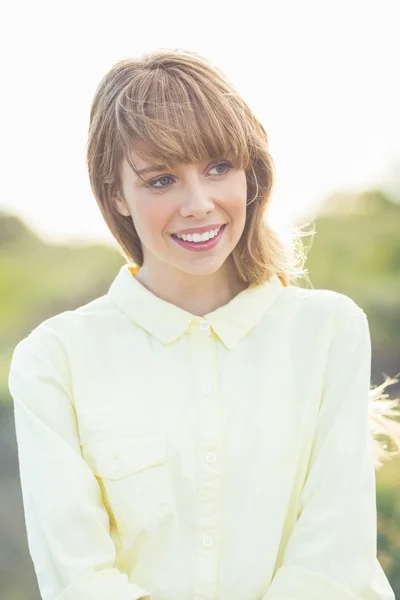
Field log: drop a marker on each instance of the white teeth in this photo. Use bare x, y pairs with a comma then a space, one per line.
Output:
197, 237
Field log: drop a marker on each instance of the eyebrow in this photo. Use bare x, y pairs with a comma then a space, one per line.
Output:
150, 169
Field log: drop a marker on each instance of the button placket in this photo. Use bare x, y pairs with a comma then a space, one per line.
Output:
203, 348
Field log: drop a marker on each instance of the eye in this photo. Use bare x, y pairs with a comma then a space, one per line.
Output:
224, 165
159, 179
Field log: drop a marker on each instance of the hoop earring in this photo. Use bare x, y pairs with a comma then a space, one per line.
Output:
255, 178
255, 197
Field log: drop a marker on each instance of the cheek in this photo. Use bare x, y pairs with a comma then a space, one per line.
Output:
236, 205
236, 196
153, 218
235, 202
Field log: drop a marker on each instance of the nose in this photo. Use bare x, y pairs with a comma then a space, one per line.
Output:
196, 200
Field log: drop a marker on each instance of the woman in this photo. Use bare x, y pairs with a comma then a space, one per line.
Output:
202, 430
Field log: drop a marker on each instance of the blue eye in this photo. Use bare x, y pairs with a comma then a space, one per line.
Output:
226, 165
152, 183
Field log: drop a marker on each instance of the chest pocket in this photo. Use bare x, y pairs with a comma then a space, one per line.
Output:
134, 475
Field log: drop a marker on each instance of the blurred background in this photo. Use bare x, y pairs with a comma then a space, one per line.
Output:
323, 79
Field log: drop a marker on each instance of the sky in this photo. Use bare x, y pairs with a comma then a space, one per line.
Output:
322, 76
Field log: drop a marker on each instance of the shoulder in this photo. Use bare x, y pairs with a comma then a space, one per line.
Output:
321, 304
71, 329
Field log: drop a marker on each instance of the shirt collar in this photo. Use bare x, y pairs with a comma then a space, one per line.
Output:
167, 322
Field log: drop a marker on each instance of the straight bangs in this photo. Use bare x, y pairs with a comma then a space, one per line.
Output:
169, 118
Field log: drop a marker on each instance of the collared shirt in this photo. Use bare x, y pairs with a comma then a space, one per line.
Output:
181, 457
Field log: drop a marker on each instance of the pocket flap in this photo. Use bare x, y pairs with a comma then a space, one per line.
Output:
118, 457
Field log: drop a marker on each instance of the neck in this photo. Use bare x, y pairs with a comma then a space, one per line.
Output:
196, 294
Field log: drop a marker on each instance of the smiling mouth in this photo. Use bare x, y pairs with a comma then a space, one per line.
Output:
202, 244
215, 232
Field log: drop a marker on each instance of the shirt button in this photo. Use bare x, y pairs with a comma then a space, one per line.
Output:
207, 541
211, 457
204, 325
206, 389
116, 465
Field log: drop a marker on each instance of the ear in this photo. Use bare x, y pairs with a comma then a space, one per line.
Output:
121, 206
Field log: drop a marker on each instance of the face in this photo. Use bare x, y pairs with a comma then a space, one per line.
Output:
207, 195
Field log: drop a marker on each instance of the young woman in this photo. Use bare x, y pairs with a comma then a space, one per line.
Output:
202, 430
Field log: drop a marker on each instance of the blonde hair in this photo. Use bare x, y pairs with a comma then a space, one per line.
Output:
384, 423
174, 105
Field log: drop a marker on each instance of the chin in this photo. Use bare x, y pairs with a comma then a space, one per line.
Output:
201, 268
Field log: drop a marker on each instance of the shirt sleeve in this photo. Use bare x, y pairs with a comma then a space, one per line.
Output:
67, 524
331, 552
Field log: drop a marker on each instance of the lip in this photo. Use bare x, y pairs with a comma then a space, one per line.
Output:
201, 246
199, 229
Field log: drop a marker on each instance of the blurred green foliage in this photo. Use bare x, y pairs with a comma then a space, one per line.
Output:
356, 250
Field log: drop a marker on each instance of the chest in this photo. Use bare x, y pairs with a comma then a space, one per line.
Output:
262, 389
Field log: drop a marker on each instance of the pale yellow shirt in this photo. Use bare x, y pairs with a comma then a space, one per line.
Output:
223, 457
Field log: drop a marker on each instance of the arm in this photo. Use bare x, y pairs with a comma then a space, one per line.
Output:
66, 521
331, 551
